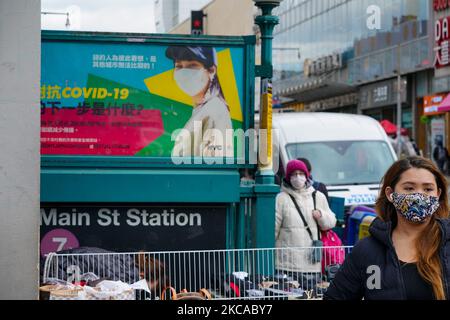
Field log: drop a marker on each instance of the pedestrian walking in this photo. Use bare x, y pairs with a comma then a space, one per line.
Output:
406, 255
440, 154
298, 224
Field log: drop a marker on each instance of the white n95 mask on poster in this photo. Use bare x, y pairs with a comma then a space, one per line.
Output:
191, 81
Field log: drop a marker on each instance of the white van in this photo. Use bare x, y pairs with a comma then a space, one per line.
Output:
348, 153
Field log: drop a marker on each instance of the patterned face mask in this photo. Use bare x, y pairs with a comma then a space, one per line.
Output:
416, 207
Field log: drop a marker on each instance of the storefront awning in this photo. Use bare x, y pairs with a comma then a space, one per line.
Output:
444, 106
305, 90
391, 128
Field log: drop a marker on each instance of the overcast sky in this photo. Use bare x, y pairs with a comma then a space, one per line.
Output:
100, 15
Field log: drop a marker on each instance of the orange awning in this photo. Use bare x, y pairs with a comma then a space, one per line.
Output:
431, 104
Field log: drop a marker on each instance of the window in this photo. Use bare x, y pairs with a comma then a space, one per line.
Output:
308, 10
302, 10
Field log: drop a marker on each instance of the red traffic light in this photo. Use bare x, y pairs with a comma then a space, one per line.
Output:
197, 22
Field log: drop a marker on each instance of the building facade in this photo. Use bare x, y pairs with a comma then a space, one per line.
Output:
436, 105
345, 56
20, 58
224, 18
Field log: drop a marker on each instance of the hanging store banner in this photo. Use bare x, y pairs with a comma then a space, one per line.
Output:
129, 99
442, 43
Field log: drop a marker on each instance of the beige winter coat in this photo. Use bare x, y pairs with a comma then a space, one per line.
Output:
290, 232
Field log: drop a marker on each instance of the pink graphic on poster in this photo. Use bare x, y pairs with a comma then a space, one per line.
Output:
109, 133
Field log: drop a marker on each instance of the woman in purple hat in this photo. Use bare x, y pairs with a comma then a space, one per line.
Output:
301, 212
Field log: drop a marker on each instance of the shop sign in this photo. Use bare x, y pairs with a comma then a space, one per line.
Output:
441, 5
442, 43
431, 104
332, 103
437, 130
132, 228
381, 94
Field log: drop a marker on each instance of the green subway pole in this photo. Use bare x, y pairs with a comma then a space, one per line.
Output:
265, 187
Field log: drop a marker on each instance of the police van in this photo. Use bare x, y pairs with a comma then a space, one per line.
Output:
348, 153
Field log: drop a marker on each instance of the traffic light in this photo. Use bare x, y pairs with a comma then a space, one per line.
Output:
197, 22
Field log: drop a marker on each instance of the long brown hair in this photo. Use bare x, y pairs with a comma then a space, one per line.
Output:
428, 243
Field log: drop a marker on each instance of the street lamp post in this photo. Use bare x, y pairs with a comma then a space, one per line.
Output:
59, 13
399, 104
399, 115
263, 221
266, 23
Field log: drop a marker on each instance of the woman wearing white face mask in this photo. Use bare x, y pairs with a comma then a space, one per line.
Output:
293, 231
205, 132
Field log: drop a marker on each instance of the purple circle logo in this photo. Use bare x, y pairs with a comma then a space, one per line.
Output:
58, 240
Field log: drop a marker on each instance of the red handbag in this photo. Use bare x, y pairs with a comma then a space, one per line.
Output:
333, 251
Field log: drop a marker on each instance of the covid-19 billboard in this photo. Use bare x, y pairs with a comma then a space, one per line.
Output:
140, 99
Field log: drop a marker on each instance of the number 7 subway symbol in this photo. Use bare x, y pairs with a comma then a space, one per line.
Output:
61, 241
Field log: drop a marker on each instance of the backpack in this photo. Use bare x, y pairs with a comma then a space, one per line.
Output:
333, 253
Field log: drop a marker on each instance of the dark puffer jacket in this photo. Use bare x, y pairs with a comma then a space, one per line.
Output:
105, 264
377, 250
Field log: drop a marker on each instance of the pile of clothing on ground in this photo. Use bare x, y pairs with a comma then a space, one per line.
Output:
240, 285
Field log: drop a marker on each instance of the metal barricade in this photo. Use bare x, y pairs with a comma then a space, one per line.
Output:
277, 273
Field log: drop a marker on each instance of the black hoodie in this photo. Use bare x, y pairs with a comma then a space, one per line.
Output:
355, 279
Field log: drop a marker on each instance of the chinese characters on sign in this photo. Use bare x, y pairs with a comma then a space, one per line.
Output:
71, 129
123, 61
380, 94
431, 104
442, 38
441, 5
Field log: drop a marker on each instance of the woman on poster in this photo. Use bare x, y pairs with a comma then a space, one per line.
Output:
205, 133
